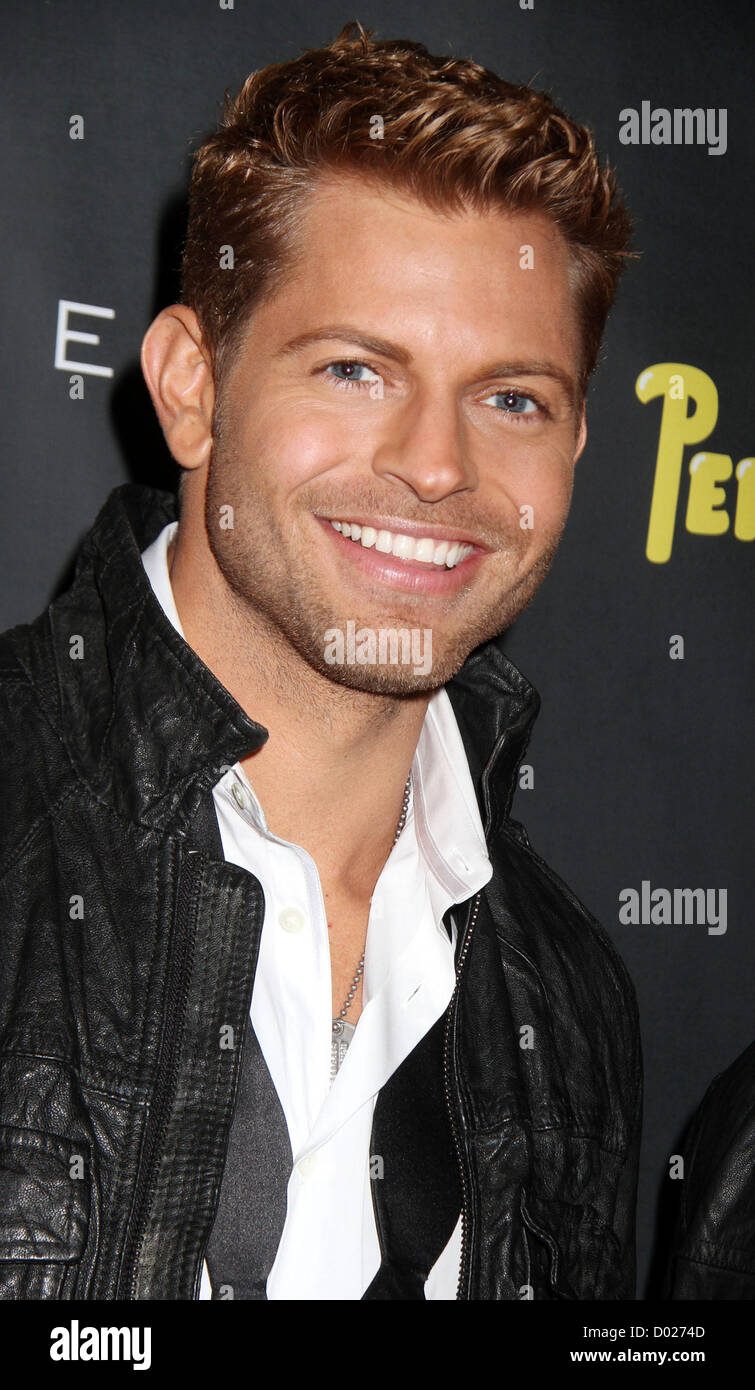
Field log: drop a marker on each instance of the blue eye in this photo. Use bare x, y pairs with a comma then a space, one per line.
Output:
351, 367
515, 403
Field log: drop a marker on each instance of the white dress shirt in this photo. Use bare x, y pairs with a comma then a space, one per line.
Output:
329, 1247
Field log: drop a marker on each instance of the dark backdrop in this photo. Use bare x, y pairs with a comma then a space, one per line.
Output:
642, 764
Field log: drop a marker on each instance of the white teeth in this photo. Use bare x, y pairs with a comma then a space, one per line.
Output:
453, 555
424, 551
404, 547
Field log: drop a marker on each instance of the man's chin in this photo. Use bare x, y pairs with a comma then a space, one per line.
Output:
390, 681
399, 664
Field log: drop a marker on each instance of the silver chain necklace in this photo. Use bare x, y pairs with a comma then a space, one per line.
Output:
343, 1032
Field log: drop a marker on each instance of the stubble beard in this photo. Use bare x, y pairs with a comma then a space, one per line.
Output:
278, 596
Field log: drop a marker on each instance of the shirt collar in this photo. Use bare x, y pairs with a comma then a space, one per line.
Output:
155, 561
447, 818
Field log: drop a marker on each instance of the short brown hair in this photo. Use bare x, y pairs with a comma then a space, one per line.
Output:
453, 134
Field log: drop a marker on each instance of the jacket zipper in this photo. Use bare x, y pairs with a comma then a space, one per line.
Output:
451, 1024
177, 991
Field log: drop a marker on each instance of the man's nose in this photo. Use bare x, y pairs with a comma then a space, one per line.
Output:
425, 445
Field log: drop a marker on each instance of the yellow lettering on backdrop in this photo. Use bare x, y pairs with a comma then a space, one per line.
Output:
678, 427
704, 514
744, 519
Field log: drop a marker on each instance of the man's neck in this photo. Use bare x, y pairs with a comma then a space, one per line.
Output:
332, 773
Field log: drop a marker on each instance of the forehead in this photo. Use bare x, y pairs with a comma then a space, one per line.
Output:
466, 279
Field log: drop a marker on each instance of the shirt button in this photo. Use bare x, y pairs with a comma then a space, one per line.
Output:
307, 1165
291, 919
241, 797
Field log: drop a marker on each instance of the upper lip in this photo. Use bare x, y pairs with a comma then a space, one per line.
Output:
418, 529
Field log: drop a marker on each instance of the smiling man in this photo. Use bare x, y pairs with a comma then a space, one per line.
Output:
320, 1024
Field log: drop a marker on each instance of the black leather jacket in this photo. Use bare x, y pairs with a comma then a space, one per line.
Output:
124, 948
713, 1255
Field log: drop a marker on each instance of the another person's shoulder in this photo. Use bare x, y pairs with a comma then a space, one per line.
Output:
714, 1248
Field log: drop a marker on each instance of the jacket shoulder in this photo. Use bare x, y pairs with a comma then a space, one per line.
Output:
28, 690
562, 968
564, 936
35, 770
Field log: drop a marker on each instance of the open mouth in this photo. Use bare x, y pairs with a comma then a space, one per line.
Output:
423, 550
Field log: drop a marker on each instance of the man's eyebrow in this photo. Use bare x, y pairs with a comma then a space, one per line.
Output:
349, 335
536, 369
346, 334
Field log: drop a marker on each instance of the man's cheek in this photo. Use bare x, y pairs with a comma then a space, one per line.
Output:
305, 451
554, 496
539, 514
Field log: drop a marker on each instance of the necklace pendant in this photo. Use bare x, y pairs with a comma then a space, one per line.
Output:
342, 1033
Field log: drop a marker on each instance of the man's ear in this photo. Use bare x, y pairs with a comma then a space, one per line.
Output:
176, 367
581, 435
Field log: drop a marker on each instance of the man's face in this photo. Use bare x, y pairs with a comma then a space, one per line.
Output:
452, 420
